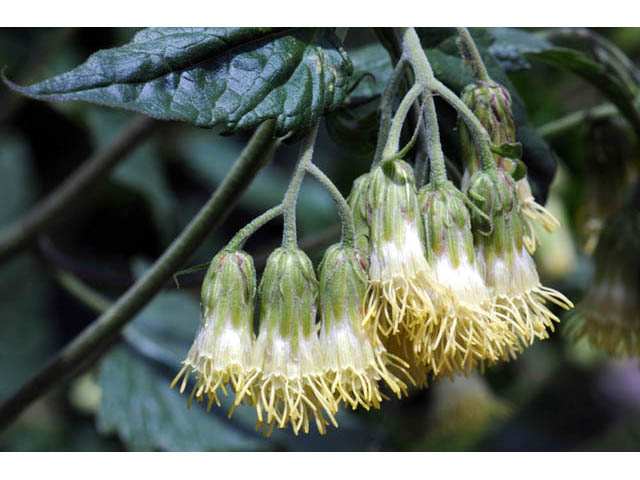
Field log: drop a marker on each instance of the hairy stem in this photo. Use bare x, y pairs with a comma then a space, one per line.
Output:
289, 234
93, 341
392, 146
249, 229
479, 70
421, 66
424, 74
348, 229
386, 107
45, 214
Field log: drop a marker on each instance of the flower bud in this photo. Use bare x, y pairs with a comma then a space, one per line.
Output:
222, 350
491, 103
509, 271
608, 316
463, 333
398, 294
287, 349
353, 362
357, 201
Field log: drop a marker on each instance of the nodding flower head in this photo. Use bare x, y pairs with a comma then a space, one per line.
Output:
292, 386
221, 353
491, 103
357, 201
608, 316
463, 332
354, 361
398, 292
509, 271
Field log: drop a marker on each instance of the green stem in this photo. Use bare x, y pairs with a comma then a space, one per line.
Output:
480, 136
73, 191
92, 342
421, 66
348, 229
386, 107
82, 292
289, 234
392, 146
424, 74
479, 69
249, 229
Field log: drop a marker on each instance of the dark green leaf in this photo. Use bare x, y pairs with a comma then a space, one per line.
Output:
27, 335
234, 78
596, 74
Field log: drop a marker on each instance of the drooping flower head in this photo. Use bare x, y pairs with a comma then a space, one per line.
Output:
509, 271
608, 316
491, 103
357, 201
292, 386
221, 353
463, 332
354, 363
398, 292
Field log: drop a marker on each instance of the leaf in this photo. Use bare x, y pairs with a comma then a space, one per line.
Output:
529, 46
596, 74
234, 78
27, 334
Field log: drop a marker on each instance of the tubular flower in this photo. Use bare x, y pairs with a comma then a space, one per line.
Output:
353, 363
509, 271
463, 332
398, 292
491, 103
357, 201
221, 353
609, 315
292, 385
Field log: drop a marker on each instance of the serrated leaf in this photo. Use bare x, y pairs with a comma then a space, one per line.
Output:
234, 78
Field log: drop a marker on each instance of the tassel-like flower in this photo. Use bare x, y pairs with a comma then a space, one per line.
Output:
608, 317
463, 333
292, 387
221, 353
353, 362
509, 271
398, 292
491, 103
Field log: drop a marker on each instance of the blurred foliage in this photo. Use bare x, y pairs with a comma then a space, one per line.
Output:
556, 396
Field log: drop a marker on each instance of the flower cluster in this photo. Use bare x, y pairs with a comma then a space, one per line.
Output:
296, 371
427, 282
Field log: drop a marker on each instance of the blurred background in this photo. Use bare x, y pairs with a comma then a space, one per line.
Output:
558, 395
